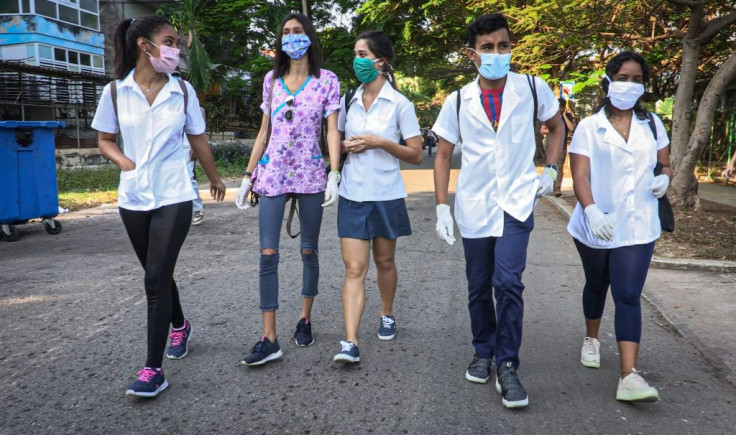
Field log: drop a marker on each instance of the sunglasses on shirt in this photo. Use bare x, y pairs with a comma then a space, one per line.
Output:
289, 114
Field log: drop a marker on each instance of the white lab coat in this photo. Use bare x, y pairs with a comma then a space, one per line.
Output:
497, 174
620, 175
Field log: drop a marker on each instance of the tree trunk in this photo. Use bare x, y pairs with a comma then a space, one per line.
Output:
684, 187
703, 123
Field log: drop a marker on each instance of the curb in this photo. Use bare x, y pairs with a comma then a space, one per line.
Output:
667, 263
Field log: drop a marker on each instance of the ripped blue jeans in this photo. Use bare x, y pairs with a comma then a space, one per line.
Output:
270, 220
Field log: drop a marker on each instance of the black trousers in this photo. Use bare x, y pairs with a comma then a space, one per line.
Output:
157, 237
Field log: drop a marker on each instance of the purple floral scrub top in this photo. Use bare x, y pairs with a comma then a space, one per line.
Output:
292, 161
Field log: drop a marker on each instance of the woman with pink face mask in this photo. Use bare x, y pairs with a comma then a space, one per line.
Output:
147, 106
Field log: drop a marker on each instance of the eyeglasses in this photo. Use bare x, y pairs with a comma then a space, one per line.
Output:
289, 114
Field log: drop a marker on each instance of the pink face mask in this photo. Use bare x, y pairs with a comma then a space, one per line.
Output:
167, 61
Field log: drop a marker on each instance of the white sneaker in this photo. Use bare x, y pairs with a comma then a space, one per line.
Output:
197, 217
633, 388
590, 354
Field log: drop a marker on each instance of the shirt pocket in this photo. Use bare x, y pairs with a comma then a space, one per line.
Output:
128, 187
519, 128
171, 181
472, 210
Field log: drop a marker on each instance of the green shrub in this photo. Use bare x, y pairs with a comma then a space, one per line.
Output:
88, 179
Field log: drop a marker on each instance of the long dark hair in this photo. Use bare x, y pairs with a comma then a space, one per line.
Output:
126, 35
612, 68
380, 44
281, 65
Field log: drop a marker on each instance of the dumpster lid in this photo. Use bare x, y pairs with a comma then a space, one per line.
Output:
32, 124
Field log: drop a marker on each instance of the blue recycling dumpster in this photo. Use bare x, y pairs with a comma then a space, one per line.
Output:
27, 175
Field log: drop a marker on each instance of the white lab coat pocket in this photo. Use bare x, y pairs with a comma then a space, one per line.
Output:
128, 187
171, 182
471, 210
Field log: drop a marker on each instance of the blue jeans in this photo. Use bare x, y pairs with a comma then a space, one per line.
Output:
495, 264
270, 218
625, 270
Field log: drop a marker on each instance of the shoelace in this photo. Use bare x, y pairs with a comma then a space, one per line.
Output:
146, 374
259, 346
387, 321
177, 337
589, 347
347, 346
478, 362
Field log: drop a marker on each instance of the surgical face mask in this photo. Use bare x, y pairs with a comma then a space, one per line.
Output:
295, 45
494, 66
624, 95
167, 60
364, 70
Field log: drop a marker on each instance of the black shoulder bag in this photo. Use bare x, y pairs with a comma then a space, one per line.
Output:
666, 216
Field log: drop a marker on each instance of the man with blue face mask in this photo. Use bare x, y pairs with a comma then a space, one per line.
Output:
492, 118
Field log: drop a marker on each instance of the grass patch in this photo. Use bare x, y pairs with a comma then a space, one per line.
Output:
80, 200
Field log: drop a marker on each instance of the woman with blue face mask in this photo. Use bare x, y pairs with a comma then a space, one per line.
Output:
286, 162
615, 223
371, 213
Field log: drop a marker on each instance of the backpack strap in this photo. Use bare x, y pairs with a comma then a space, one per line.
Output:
459, 100
533, 87
651, 125
114, 96
186, 94
349, 100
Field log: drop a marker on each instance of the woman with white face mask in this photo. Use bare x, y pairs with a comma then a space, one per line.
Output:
615, 223
287, 162
152, 110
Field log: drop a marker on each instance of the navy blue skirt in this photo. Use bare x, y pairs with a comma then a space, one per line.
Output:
370, 219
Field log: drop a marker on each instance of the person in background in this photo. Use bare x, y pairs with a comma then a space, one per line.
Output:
496, 191
291, 164
155, 193
371, 212
569, 120
616, 222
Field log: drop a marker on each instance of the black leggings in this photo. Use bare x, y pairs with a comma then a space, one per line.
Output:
157, 236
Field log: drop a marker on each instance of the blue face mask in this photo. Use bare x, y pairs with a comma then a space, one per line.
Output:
494, 66
295, 45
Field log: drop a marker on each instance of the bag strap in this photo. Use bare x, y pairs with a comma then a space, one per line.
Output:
459, 133
533, 87
186, 94
349, 100
293, 210
651, 125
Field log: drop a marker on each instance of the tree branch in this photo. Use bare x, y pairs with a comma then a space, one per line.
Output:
686, 2
712, 27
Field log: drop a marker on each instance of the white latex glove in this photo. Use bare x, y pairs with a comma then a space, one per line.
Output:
546, 182
599, 223
331, 191
241, 201
659, 185
445, 225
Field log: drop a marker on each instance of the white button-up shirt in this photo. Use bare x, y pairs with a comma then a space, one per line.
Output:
497, 172
374, 175
620, 175
152, 138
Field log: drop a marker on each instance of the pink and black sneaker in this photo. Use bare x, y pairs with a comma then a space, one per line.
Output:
151, 381
180, 339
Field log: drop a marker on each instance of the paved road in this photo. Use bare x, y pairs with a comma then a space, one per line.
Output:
72, 315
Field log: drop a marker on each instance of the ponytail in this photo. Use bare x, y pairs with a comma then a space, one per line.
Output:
126, 36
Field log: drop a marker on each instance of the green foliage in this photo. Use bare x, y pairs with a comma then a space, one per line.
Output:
87, 179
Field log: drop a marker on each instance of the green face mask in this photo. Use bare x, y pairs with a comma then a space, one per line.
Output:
364, 70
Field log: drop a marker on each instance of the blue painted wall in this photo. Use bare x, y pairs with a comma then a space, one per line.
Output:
21, 29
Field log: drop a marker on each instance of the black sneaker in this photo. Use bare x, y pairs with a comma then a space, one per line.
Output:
150, 382
263, 352
508, 384
179, 347
303, 335
387, 330
479, 370
348, 354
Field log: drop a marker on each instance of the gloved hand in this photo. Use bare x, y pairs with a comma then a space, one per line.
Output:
659, 185
599, 223
546, 182
445, 225
241, 201
331, 191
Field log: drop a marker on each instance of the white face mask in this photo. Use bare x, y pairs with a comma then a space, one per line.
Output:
624, 95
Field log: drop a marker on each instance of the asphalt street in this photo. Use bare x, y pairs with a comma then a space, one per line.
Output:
72, 336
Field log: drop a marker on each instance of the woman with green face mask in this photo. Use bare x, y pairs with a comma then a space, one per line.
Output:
371, 210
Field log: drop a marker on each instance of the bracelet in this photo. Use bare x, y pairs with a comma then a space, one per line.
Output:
247, 174
553, 166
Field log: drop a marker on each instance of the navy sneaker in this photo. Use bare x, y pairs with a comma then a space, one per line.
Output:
263, 352
303, 335
180, 339
150, 382
479, 370
387, 331
348, 354
508, 384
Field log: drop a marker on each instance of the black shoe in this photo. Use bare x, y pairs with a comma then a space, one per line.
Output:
263, 352
508, 384
479, 370
303, 335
